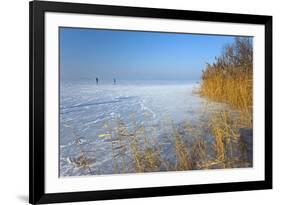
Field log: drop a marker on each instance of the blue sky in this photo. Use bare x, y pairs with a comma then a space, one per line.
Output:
135, 55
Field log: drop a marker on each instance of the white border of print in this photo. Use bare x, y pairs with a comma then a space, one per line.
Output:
54, 184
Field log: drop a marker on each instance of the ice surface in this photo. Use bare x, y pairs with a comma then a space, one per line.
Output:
86, 108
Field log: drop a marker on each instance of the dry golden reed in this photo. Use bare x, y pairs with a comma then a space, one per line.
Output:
230, 78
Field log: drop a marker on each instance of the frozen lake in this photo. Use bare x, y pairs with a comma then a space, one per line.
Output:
90, 112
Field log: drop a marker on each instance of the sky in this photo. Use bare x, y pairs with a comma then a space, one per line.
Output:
136, 55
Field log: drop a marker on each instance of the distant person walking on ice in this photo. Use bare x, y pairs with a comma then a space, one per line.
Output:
114, 81
97, 80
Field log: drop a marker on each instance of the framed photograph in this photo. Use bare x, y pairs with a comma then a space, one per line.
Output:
140, 102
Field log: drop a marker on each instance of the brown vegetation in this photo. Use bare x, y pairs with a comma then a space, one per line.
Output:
230, 78
136, 151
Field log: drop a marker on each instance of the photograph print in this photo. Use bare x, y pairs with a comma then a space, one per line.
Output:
143, 101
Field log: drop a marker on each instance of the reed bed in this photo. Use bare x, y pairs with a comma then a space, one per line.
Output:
230, 78
135, 149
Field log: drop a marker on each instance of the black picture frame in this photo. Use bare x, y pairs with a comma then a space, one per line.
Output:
37, 10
